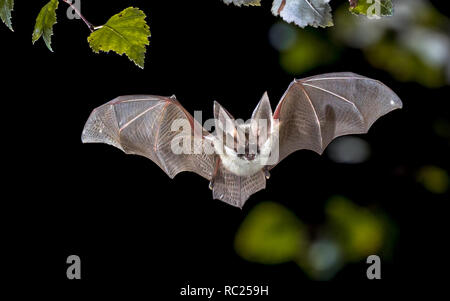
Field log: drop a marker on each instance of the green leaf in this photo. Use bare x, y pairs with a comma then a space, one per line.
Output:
44, 23
372, 8
126, 32
6, 6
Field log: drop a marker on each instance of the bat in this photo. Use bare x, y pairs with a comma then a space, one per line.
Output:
311, 113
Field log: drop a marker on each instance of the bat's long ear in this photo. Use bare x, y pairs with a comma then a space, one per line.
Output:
224, 122
262, 115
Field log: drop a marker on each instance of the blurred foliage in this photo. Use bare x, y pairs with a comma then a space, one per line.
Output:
317, 13
442, 128
359, 231
324, 259
272, 234
301, 50
307, 52
412, 45
403, 64
434, 179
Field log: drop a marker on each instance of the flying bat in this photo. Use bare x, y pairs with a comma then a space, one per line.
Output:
311, 113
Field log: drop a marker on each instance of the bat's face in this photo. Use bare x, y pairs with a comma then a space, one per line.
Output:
244, 148
250, 150
241, 142
247, 153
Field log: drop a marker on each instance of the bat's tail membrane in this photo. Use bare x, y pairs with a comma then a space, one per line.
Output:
235, 190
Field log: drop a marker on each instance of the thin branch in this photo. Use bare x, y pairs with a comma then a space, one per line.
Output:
88, 24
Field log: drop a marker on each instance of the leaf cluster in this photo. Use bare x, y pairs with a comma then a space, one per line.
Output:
124, 33
317, 13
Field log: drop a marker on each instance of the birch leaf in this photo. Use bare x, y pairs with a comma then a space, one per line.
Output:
44, 23
6, 6
124, 33
316, 13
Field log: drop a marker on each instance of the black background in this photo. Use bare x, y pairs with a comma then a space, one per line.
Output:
123, 216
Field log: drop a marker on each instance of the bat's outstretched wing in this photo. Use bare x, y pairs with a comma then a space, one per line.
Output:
142, 125
315, 110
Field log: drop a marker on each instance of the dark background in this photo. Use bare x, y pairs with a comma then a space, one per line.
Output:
124, 217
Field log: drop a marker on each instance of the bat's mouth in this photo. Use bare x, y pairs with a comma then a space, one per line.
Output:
248, 157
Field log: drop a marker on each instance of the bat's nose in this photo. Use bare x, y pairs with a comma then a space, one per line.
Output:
250, 156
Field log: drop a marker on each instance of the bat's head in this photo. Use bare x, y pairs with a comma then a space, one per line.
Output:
245, 141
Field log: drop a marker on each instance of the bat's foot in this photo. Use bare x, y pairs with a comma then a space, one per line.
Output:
267, 173
211, 185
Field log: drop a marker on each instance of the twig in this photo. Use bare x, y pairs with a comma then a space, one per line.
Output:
88, 24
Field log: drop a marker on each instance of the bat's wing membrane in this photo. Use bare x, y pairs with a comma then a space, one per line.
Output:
142, 125
315, 110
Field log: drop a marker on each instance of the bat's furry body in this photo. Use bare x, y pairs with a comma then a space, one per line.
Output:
312, 112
